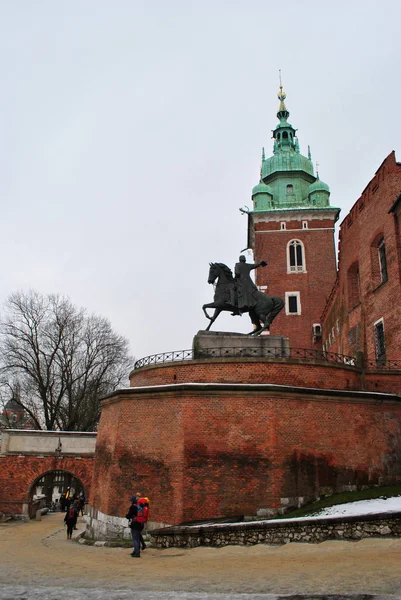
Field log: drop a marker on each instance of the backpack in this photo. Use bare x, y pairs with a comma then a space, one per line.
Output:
143, 510
71, 513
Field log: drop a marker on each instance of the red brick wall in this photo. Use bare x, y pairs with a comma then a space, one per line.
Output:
282, 372
368, 220
201, 454
139, 449
314, 285
19, 473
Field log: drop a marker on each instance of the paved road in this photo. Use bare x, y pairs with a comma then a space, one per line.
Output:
22, 593
37, 561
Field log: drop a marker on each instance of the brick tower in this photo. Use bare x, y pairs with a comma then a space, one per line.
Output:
291, 226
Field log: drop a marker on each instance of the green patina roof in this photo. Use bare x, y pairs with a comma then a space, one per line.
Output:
262, 188
319, 186
287, 161
288, 176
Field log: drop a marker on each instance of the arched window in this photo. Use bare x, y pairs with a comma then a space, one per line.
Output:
296, 257
290, 190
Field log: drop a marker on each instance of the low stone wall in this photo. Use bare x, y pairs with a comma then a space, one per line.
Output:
279, 532
102, 527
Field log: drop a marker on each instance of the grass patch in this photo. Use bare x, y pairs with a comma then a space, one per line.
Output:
389, 491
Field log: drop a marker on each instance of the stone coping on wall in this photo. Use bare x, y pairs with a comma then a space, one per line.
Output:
276, 532
271, 388
48, 433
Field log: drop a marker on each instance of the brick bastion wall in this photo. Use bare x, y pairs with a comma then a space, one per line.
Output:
227, 437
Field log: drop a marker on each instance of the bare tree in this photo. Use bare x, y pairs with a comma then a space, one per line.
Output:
61, 360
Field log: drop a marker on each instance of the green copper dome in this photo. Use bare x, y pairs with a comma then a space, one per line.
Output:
262, 188
286, 161
287, 178
319, 186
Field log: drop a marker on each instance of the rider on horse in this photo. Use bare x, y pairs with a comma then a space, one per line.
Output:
245, 288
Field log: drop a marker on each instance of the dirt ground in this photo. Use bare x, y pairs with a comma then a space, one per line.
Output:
38, 554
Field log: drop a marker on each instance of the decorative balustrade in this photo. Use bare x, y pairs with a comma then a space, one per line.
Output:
303, 354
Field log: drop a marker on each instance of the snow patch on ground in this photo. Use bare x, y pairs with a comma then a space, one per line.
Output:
359, 508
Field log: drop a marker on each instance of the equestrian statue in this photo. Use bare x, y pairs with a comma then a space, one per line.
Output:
239, 294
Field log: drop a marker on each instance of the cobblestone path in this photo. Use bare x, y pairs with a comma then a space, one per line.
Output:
37, 555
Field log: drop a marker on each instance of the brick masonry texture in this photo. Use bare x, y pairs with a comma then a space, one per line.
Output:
212, 451
314, 285
359, 298
279, 371
18, 475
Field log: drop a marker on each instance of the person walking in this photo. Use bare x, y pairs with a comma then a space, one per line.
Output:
70, 520
135, 526
82, 502
141, 540
77, 506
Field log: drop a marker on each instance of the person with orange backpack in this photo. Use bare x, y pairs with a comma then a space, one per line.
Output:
138, 514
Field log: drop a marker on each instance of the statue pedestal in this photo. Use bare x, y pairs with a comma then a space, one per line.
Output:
215, 344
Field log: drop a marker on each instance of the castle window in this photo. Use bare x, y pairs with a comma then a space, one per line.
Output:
295, 257
304, 224
290, 190
378, 260
292, 303
283, 226
380, 344
353, 286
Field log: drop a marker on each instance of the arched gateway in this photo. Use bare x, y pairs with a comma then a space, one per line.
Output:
44, 459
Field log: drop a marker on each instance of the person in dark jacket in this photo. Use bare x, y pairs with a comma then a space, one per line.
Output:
136, 528
70, 520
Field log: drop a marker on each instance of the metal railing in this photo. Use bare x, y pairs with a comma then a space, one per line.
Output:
380, 365
304, 354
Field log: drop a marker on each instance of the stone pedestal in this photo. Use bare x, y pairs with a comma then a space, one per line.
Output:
214, 344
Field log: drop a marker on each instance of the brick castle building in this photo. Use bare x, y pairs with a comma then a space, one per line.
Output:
363, 313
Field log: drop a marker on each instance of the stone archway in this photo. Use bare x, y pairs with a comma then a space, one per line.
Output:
53, 483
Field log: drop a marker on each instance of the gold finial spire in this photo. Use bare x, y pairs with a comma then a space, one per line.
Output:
281, 95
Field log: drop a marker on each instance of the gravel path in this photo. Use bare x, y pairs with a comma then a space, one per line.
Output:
37, 555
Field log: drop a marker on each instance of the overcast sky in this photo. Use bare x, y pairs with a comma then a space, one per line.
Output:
131, 133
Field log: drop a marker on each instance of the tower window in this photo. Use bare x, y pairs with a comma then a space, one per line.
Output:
380, 344
292, 303
295, 257
290, 190
285, 135
304, 224
283, 225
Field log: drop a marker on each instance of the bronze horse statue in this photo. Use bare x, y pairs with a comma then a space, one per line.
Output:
262, 314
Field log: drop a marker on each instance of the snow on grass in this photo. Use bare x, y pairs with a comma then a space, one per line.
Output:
358, 508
